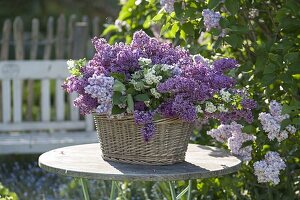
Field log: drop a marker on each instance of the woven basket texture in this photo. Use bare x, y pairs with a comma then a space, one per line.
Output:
121, 140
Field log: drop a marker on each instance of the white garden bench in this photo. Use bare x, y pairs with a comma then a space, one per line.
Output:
59, 123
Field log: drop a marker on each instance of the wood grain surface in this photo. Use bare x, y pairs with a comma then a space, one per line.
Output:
85, 161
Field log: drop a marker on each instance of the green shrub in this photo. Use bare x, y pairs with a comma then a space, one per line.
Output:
5, 194
264, 36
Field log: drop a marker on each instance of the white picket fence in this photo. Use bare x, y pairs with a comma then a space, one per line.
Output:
36, 114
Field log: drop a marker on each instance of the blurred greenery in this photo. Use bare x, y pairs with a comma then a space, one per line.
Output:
5, 194
42, 9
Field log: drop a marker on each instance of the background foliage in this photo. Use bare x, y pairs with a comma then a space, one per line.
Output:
264, 36
5, 194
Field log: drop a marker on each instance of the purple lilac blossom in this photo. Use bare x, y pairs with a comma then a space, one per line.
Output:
148, 131
145, 118
268, 170
211, 19
194, 80
224, 64
184, 109
85, 103
139, 106
100, 87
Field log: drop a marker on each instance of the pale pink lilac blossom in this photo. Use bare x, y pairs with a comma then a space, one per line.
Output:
271, 122
268, 170
234, 137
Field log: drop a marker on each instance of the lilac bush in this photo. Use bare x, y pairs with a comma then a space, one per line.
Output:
150, 79
241, 144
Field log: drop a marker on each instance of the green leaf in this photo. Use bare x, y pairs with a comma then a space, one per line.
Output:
268, 79
141, 97
217, 43
188, 28
158, 17
213, 3
109, 29
269, 69
285, 123
276, 59
118, 76
117, 110
165, 28
234, 40
178, 9
232, 6
130, 90
249, 129
119, 86
130, 103
118, 98
174, 30
296, 121
147, 22
247, 143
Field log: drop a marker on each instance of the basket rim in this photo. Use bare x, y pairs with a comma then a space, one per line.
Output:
130, 118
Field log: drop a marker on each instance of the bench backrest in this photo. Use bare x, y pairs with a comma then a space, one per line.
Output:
55, 109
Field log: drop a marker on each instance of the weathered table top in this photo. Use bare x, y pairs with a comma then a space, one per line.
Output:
85, 161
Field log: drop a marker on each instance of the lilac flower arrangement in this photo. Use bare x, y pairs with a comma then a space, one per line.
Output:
150, 79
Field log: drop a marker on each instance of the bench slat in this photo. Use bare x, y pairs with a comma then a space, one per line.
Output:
89, 122
17, 100
6, 99
34, 69
74, 112
42, 142
59, 101
28, 126
45, 101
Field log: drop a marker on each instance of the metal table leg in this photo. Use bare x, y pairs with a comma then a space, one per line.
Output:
187, 190
84, 189
115, 188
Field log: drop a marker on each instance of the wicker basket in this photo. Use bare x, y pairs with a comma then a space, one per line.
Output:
121, 141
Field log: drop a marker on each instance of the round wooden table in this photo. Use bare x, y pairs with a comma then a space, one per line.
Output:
85, 162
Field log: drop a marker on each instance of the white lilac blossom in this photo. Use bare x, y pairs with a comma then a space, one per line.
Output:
225, 95
199, 109
144, 61
168, 5
165, 67
234, 137
271, 122
222, 108
155, 93
71, 64
151, 78
138, 85
210, 107
268, 170
211, 19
